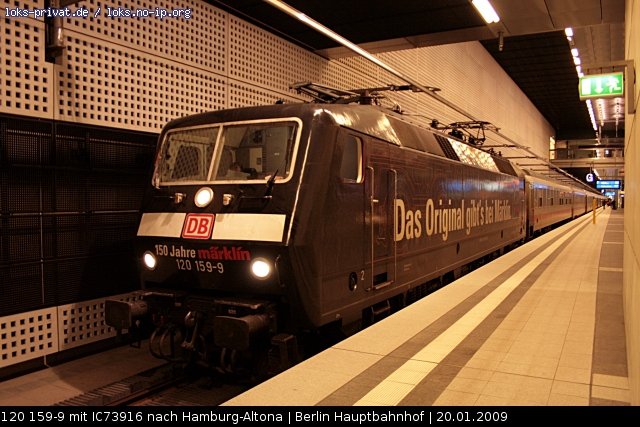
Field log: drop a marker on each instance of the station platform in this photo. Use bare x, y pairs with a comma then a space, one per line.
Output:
541, 325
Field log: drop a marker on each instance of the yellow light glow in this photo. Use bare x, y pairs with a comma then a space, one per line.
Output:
260, 268
486, 10
203, 197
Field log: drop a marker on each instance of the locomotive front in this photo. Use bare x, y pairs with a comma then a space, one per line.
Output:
213, 235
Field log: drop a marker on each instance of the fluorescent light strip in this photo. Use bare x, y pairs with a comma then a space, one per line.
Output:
486, 10
574, 52
591, 115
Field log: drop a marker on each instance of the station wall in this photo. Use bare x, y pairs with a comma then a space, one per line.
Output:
631, 268
117, 83
139, 73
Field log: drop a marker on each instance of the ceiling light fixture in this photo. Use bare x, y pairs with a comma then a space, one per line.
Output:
486, 10
569, 33
592, 115
576, 58
601, 111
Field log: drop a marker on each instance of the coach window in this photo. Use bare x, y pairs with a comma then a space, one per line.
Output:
351, 164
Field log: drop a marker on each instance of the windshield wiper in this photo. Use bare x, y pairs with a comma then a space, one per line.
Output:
271, 183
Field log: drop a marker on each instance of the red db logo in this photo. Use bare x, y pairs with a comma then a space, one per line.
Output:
198, 226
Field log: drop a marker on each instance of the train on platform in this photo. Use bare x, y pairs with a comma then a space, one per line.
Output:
268, 228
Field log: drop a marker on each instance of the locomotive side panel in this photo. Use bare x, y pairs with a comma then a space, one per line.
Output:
357, 218
452, 216
412, 218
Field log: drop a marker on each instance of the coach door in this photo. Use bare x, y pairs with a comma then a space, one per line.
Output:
380, 184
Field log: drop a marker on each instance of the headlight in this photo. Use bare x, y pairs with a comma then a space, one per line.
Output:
149, 260
203, 197
261, 268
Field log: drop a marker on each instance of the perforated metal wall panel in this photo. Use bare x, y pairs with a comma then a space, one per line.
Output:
198, 41
139, 73
69, 201
25, 78
21, 286
83, 322
120, 86
32, 334
265, 60
26, 336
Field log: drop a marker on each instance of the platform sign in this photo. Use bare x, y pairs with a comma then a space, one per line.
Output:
613, 184
601, 86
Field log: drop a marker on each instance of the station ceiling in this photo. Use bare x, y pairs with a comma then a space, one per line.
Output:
534, 51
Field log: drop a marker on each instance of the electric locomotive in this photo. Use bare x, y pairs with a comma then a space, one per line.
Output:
266, 225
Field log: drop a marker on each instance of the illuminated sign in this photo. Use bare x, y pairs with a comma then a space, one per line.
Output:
608, 184
589, 177
601, 86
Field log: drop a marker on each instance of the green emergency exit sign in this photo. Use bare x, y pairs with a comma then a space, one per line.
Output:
601, 86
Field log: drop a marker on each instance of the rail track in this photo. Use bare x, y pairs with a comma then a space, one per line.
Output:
166, 385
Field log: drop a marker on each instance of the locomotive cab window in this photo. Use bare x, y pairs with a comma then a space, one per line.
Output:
186, 155
236, 152
351, 162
